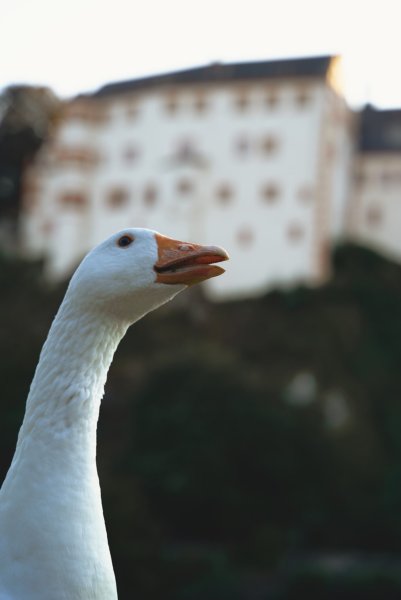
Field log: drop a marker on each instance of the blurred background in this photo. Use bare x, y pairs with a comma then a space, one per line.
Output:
249, 439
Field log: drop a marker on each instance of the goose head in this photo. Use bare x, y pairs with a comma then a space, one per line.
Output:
136, 270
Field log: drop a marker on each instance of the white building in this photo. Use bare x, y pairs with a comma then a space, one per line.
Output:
375, 202
255, 157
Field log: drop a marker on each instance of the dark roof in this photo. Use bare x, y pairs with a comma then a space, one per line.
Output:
315, 66
380, 130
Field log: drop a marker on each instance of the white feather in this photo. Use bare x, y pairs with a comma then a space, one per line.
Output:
53, 541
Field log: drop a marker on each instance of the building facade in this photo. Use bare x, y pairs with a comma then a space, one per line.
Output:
256, 157
375, 200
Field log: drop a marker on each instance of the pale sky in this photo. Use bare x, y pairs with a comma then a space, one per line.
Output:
78, 45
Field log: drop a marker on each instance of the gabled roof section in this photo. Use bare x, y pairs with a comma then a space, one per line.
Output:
315, 66
380, 130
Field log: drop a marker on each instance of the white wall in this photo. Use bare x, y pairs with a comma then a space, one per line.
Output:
256, 232
375, 218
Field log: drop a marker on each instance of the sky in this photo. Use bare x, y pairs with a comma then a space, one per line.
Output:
75, 46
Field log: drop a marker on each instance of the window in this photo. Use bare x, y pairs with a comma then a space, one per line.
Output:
242, 145
132, 111
224, 193
73, 199
271, 98
270, 192
241, 100
186, 151
306, 193
269, 144
200, 103
184, 186
295, 232
150, 195
171, 103
245, 236
303, 97
374, 216
86, 157
90, 112
117, 197
130, 154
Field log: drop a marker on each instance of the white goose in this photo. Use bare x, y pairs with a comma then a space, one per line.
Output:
53, 542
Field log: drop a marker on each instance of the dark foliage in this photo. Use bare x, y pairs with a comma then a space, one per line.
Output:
27, 114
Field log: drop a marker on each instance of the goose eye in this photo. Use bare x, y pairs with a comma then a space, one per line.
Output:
124, 241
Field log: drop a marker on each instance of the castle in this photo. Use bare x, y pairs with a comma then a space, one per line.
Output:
264, 158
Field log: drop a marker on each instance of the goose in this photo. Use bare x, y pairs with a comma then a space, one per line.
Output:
53, 540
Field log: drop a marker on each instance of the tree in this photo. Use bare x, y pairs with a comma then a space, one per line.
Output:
27, 115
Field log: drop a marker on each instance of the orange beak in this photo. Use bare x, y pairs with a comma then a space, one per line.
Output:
184, 263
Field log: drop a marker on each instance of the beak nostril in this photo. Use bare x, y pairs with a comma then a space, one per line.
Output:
185, 247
